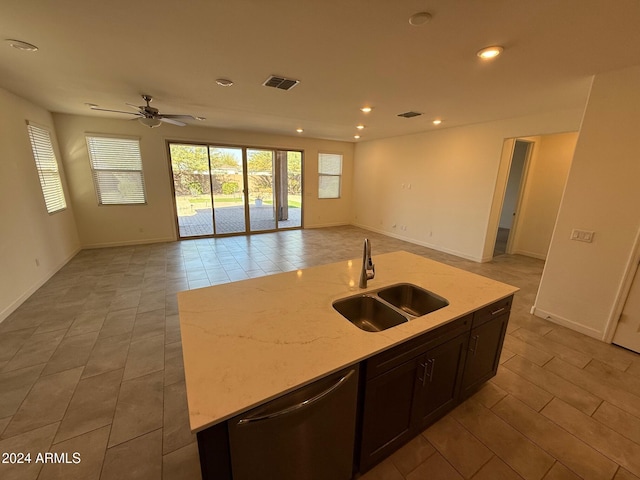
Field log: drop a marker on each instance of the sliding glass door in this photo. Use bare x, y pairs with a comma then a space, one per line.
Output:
262, 202
221, 190
192, 189
227, 180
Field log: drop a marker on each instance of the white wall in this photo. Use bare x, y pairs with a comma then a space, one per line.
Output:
28, 231
542, 192
155, 221
581, 281
452, 173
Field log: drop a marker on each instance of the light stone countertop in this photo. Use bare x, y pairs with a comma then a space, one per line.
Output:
248, 342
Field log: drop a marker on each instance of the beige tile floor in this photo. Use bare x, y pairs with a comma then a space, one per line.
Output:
92, 363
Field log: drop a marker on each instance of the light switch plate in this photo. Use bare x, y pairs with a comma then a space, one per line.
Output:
582, 235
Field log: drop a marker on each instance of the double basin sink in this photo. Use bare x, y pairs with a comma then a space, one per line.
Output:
387, 307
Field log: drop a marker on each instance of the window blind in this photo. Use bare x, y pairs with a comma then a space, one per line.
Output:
47, 167
329, 175
116, 166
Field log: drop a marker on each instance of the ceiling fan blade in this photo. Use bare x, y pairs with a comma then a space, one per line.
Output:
115, 111
172, 121
133, 106
184, 117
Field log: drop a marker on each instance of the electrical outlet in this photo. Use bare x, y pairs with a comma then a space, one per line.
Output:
582, 235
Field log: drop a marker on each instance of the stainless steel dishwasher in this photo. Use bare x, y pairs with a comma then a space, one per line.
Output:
307, 434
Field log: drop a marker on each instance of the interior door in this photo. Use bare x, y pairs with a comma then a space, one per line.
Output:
628, 331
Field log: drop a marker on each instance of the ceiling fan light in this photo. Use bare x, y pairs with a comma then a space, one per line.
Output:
20, 45
150, 122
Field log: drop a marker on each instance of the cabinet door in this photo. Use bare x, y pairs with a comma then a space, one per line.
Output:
386, 419
438, 381
485, 345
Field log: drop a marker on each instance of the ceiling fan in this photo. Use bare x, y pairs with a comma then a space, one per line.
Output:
150, 116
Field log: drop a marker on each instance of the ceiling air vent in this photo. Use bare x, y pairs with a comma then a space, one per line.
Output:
280, 82
409, 114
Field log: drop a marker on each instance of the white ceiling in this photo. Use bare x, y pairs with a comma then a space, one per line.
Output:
346, 54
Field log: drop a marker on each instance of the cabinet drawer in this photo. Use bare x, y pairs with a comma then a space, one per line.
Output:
395, 356
492, 311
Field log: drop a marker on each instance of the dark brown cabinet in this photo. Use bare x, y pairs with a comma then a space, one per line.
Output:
409, 387
485, 345
387, 413
438, 381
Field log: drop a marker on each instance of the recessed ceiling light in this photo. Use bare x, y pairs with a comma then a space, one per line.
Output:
356, 136
20, 45
224, 82
360, 127
299, 130
419, 18
366, 109
490, 52
437, 121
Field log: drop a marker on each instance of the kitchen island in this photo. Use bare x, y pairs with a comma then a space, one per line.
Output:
249, 342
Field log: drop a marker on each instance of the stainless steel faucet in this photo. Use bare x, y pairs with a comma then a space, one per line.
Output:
368, 268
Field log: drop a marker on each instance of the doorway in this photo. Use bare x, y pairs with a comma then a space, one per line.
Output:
231, 190
512, 196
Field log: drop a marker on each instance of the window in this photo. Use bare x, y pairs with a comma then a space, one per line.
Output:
47, 166
116, 167
329, 175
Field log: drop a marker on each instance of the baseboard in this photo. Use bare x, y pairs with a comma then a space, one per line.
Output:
565, 322
530, 254
422, 244
128, 243
31, 290
326, 225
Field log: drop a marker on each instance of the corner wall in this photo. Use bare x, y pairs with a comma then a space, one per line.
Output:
581, 281
437, 188
28, 231
112, 225
546, 179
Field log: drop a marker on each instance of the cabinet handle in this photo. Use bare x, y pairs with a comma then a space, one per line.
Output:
423, 378
498, 311
431, 362
428, 371
475, 339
